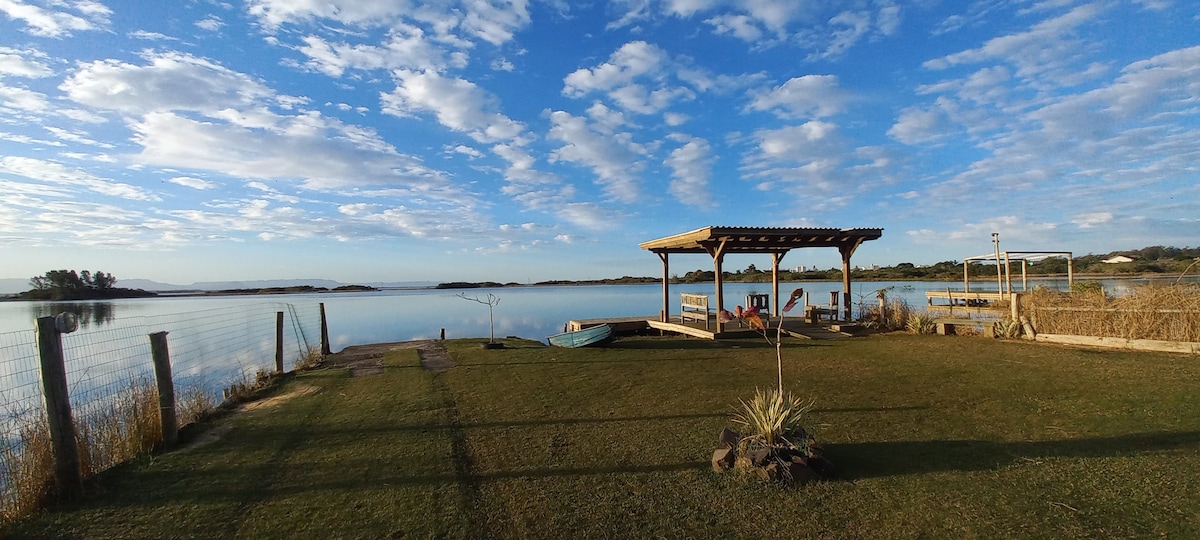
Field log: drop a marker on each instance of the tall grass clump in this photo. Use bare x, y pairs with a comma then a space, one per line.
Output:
109, 432
887, 314
1157, 312
26, 466
193, 403
120, 428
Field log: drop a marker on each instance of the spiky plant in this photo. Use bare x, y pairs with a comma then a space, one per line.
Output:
772, 418
1008, 328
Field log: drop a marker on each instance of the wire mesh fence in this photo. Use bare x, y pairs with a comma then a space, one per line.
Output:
110, 376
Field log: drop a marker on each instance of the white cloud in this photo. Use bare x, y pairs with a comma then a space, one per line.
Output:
919, 126
1043, 52
53, 22
20, 100
320, 152
807, 96
740, 26
406, 48
150, 36
211, 23
631, 61
493, 22
692, 165
589, 215
17, 62
458, 104
170, 82
56, 174
1089, 220
635, 77
192, 182
76, 137
614, 158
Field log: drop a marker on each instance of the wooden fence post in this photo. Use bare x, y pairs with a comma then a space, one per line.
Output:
278, 342
68, 479
324, 332
166, 388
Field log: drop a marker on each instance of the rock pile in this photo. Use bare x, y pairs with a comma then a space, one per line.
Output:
788, 463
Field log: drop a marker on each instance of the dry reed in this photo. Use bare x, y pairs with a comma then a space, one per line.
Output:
26, 467
1165, 313
109, 433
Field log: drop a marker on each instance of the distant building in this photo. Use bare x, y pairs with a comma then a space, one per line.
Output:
1117, 259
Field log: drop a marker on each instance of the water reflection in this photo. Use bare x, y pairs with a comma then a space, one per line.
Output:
88, 313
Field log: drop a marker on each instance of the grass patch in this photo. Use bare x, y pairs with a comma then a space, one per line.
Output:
932, 437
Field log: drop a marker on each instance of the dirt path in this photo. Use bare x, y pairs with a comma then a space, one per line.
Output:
368, 359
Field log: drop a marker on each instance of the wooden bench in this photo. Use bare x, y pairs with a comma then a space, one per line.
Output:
694, 307
946, 326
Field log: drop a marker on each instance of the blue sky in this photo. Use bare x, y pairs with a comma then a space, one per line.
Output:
377, 140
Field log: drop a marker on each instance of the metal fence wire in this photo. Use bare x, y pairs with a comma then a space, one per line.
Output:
210, 351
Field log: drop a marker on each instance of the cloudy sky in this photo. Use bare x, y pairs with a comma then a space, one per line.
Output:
393, 140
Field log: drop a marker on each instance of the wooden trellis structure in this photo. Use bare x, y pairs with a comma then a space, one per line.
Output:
718, 241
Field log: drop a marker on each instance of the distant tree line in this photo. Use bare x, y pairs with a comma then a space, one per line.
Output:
1150, 260
72, 285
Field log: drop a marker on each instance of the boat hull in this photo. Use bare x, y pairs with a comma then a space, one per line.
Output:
595, 335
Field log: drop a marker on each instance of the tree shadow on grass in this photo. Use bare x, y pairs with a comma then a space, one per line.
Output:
895, 458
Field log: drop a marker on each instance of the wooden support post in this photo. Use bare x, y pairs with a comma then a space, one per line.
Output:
966, 275
1007, 275
324, 332
1070, 271
1014, 307
665, 316
717, 260
776, 258
68, 479
278, 342
166, 388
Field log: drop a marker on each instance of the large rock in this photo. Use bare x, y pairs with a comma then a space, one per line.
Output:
769, 473
729, 438
723, 458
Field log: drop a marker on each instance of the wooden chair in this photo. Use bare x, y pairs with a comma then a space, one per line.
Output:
763, 303
694, 307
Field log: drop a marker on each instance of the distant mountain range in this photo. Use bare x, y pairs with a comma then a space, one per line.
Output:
12, 286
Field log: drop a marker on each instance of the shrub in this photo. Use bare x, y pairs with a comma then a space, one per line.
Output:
920, 323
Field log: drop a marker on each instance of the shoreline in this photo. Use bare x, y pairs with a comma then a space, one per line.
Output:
273, 291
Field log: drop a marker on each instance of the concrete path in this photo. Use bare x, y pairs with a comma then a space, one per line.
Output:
368, 359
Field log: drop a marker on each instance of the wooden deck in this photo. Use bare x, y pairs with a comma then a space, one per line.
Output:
619, 324
792, 327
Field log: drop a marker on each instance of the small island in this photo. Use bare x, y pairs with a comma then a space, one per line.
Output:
71, 285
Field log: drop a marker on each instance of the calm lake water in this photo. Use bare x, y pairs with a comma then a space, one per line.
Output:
528, 312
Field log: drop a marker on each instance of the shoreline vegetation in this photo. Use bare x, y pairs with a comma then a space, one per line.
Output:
1150, 262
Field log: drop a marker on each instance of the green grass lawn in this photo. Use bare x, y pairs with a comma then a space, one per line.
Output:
933, 437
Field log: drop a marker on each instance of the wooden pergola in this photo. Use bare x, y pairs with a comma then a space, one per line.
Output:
719, 241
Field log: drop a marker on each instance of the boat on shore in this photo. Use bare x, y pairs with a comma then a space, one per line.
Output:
595, 335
